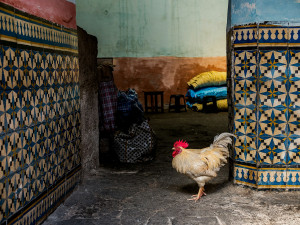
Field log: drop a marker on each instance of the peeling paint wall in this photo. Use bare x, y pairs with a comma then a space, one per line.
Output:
259, 11
168, 74
62, 12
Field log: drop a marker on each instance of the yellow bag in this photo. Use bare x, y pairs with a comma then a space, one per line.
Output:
211, 78
221, 104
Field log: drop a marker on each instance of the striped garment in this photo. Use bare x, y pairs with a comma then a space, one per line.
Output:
108, 97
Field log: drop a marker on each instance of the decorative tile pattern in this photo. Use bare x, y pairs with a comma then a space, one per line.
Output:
294, 119
47, 203
245, 175
39, 116
266, 178
271, 35
294, 36
266, 73
274, 86
245, 105
266, 35
272, 178
293, 177
7, 28
31, 31
245, 35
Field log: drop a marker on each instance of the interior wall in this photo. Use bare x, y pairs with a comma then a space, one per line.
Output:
39, 114
150, 28
168, 74
157, 44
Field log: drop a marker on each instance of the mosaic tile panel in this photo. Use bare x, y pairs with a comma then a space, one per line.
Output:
294, 36
266, 106
266, 178
17, 27
245, 105
274, 102
27, 69
272, 178
245, 35
245, 175
39, 116
47, 203
294, 97
266, 35
272, 35
293, 177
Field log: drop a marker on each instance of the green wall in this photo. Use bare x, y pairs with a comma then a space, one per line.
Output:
148, 28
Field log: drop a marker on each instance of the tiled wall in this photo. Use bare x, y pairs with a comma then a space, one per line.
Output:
266, 78
39, 116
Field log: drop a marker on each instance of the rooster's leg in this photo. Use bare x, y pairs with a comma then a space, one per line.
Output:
199, 195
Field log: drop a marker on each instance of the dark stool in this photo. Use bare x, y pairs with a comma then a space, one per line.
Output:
212, 107
155, 107
177, 104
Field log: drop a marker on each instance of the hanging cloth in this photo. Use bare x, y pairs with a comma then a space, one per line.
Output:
108, 98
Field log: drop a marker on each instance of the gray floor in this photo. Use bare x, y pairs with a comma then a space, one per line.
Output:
154, 193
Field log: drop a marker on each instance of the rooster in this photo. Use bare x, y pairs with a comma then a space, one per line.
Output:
201, 164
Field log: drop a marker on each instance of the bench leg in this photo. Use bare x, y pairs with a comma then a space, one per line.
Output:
146, 102
162, 102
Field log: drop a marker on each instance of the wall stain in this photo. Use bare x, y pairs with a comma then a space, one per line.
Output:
168, 74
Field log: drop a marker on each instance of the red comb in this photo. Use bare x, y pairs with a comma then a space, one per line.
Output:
181, 143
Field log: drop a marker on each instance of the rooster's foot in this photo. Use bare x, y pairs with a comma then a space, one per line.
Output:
199, 195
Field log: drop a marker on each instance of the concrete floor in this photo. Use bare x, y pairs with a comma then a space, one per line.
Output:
154, 193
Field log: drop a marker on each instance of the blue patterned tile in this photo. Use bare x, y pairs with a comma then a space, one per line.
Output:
23, 29
13, 193
245, 105
294, 36
245, 35
7, 25
39, 114
25, 68
294, 77
272, 35
272, 178
2, 78
274, 102
268, 109
293, 177
245, 175
28, 177
4, 209
9, 67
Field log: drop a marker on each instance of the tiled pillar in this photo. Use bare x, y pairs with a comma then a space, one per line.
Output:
266, 90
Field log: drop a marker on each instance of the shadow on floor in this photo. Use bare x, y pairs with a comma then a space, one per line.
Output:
154, 193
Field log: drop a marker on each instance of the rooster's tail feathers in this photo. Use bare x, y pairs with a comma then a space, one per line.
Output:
222, 141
